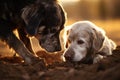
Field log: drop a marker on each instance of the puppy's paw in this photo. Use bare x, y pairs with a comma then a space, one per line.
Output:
97, 58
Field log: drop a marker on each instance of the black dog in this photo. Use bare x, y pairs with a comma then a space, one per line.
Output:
40, 18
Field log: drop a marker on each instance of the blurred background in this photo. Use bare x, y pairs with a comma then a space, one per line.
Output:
104, 13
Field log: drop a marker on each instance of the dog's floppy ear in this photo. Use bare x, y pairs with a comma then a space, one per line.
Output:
32, 18
98, 39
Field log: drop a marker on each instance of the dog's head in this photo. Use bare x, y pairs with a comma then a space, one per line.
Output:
84, 39
44, 19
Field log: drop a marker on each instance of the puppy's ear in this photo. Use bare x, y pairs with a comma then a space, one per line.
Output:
32, 18
98, 39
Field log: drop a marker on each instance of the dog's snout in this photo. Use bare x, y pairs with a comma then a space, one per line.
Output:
69, 55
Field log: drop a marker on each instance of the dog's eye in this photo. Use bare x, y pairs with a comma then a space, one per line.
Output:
80, 41
41, 29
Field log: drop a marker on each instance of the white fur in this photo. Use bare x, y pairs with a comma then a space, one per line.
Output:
93, 38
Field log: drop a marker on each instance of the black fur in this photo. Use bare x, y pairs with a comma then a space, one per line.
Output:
27, 16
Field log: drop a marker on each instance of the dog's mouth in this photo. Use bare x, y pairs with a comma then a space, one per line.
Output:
51, 48
85, 60
50, 45
49, 41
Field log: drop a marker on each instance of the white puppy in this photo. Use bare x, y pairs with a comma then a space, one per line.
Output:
87, 42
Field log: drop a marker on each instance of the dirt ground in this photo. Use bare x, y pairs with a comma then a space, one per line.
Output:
12, 68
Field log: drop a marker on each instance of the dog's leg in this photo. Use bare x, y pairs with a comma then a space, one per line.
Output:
20, 48
25, 39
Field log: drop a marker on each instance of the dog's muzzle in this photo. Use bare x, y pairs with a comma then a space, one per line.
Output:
69, 54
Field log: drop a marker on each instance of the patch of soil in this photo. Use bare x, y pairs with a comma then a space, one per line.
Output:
12, 68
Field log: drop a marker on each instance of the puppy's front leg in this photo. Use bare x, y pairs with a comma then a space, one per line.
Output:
20, 48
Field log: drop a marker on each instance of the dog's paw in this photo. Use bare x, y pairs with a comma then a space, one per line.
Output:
97, 58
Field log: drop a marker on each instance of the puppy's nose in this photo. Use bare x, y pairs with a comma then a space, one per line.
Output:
69, 55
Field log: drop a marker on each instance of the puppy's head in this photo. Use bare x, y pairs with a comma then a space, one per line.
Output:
44, 20
84, 39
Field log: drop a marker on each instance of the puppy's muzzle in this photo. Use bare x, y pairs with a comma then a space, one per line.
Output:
69, 54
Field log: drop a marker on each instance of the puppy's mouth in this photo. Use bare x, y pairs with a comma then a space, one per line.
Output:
69, 60
86, 60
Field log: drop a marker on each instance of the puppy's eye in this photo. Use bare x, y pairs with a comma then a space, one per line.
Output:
80, 41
